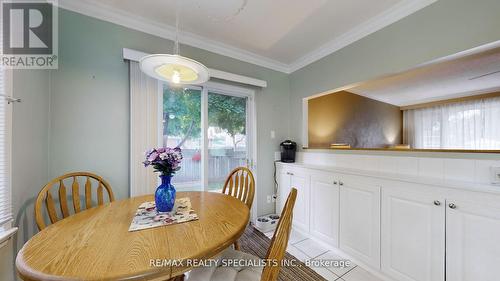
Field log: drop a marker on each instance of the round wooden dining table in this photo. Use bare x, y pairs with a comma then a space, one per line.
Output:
95, 244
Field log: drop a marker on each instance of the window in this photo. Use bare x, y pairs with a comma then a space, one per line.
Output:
463, 125
210, 124
5, 133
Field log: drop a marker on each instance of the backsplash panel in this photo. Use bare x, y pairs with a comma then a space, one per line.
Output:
467, 170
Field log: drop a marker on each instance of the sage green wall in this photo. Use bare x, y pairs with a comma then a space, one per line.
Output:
443, 28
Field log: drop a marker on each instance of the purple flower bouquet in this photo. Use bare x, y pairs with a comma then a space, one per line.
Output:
165, 161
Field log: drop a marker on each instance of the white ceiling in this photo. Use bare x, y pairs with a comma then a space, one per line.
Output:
464, 76
284, 35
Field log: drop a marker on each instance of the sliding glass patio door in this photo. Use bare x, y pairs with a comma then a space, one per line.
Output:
213, 127
227, 136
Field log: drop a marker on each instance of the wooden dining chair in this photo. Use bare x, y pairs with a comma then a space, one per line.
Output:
274, 256
240, 184
45, 196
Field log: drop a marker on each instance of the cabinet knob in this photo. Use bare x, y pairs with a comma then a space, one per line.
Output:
452, 206
335, 182
437, 202
341, 183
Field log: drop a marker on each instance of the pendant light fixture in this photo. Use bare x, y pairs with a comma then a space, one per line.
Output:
175, 68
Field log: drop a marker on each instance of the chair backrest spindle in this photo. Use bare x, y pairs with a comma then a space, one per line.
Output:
62, 199
88, 194
75, 187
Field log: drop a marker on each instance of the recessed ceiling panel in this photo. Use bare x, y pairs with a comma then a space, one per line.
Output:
465, 76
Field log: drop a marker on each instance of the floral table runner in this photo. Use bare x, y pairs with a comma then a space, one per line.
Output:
147, 217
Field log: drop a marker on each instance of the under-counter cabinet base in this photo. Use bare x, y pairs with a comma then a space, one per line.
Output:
472, 241
413, 234
298, 179
401, 230
360, 219
325, 208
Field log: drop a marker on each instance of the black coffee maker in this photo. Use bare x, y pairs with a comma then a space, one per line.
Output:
288, 149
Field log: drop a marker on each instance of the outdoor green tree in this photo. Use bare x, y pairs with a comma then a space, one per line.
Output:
182, 116
181, 113
229, 114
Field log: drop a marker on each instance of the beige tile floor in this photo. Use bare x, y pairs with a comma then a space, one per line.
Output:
304, 249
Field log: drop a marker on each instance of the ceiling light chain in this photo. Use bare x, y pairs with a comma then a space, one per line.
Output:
177, 13
228, 18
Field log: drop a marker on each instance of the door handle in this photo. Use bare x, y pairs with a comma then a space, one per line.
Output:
437, 202
452, 206
335, 182
341, 183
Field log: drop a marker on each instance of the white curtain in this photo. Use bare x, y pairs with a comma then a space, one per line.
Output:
144, 129
464, 125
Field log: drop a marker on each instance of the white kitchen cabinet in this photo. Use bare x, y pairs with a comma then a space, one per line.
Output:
299, 179
283, 189
413, 234
360, 219
472, 241
325, 207
405, 230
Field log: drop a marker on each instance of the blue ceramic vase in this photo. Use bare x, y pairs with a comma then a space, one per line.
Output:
165, 195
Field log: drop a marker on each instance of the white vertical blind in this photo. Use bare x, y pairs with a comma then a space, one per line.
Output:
5, 112
463, 125
144, 129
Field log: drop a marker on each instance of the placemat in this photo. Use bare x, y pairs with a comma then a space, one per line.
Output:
147, 217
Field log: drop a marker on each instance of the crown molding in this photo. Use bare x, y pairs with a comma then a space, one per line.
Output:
390, 16
97, 10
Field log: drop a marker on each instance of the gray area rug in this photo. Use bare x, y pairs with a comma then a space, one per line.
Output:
256, 243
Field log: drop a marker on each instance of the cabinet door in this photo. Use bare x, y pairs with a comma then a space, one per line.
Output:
413, 235
300, 181
283, 190
360, 219
472, 241
325, 208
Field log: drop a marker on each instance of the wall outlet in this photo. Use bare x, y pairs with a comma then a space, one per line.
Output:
271, 198
495, 175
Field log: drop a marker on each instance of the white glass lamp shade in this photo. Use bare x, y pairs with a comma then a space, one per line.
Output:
174, 69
